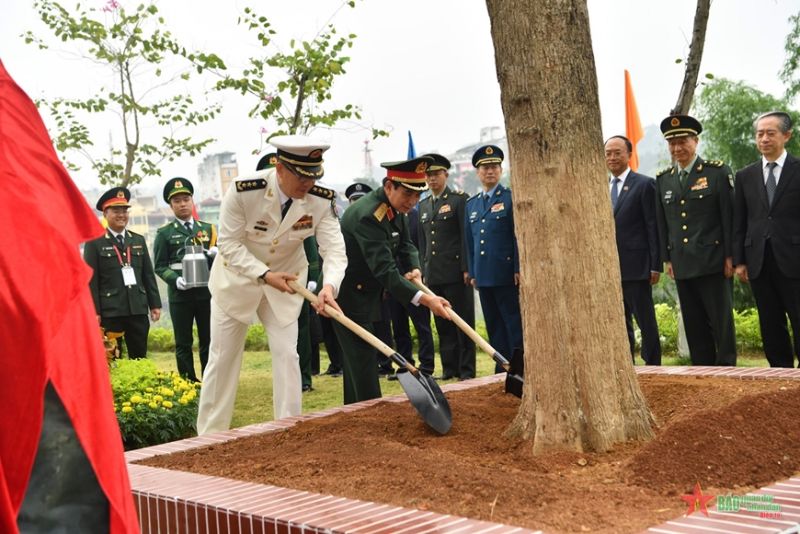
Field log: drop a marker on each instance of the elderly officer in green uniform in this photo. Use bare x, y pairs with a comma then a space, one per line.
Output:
123, 284
694, 210
376, 232
186, 304
442, 246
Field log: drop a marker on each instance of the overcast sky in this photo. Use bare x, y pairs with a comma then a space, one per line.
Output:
428, 66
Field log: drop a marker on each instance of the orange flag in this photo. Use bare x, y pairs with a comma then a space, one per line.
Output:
633, 126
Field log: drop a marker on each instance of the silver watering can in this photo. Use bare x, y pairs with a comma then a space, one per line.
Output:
195, 267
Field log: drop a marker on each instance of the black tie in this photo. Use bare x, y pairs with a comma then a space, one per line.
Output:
188, 226
771, 183
286, 206
121, 241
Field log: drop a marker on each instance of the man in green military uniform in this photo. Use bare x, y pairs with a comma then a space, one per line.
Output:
694, 212
187, 305
123, 285
376, 232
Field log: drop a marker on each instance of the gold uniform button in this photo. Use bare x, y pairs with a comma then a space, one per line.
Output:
699, 196
272, 250
433, 232
481, 230
483, 220
358, 286
683, 201
482, 253
716, 242
274, 241
683, 214
685, 227
433, 242
685, 239
434, 253
481, 241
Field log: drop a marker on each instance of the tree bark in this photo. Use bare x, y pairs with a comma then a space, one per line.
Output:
689, 85
581, 392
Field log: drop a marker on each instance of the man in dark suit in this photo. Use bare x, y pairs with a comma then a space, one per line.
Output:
123, 284
492, 256
767, 236
443, 254
376, 234
633, 198
695, 228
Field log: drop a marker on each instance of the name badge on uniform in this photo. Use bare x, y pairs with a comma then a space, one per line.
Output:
668, 195
498, 207
473, 216
128, 275
424, 217
445, 209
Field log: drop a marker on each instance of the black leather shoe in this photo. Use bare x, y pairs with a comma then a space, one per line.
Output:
445, 377
334, 371
392, 377
307, 388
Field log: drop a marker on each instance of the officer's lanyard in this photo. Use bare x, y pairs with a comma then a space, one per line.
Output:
127, 253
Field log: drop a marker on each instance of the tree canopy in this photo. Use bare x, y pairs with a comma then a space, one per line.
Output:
727, 109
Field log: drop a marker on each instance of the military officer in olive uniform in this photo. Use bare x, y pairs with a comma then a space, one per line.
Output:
694, 212
187, 305
123, 284
376, 233
492, 255
442, 247
263, 222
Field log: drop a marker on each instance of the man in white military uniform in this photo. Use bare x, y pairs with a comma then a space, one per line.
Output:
263, 222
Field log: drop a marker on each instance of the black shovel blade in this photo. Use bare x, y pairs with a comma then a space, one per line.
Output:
514, 384
428, 399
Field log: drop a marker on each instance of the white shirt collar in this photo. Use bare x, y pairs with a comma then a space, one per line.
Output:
780, 161
281, 195
189, 220
621, 177
115, 234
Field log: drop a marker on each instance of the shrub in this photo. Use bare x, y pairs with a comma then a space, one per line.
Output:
667, 319
161, 339
256, 338
748, 333
152, 406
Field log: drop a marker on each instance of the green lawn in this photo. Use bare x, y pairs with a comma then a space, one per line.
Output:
254, 398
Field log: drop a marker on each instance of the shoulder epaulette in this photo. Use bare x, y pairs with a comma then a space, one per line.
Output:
250, 185
715, 163
663, 171
380, 212
165, 225
476, 195
460, 193
133, 233
323, 192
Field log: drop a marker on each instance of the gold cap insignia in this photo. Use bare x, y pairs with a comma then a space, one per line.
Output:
178, 183
120, 194
315, 153
675, 122
421, 167
489, 151
273, 160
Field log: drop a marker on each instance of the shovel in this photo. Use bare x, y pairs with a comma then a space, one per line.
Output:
424, 393
514, 380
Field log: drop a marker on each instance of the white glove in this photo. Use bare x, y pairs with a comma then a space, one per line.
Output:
312, 286
181, 283
212, 252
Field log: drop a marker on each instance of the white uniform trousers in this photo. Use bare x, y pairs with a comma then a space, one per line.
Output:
221, 377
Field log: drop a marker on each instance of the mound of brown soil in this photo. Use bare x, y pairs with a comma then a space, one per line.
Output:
730, 435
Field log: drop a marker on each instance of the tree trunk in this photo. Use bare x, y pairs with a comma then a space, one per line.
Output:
581, 392
686, 95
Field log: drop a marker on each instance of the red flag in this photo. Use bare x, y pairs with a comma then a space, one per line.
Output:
633, 126
49, 331
195, 216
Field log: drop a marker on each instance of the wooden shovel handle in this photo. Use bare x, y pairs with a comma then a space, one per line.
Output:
467, 329
354, 327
